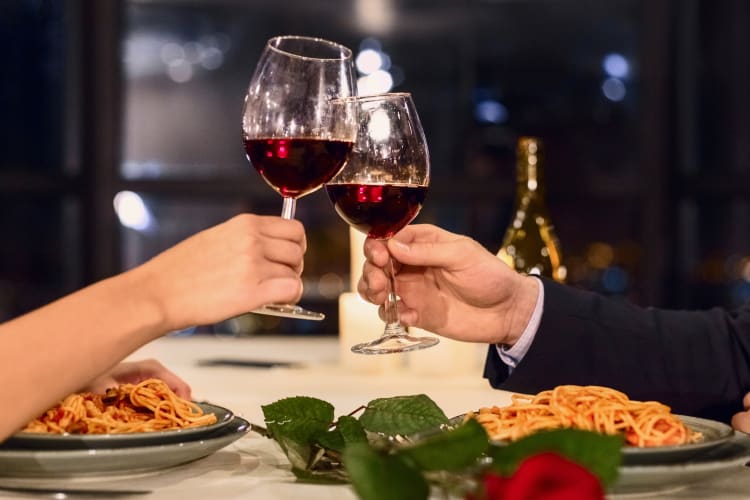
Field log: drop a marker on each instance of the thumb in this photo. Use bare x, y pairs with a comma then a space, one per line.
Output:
433, 254
280, 290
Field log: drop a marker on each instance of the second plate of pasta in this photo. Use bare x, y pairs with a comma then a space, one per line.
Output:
38, 441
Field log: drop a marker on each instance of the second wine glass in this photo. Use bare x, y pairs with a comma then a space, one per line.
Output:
381, 189
294, 136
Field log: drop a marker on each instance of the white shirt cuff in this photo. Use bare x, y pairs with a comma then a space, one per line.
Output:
511, 356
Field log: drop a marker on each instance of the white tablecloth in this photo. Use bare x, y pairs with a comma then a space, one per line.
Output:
254, 467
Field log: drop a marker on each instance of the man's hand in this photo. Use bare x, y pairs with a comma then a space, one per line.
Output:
741, 420
450, 285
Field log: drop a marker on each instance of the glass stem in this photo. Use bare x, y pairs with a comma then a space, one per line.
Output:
289, 207
392, 322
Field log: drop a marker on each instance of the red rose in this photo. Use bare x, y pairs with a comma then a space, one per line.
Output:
546, 476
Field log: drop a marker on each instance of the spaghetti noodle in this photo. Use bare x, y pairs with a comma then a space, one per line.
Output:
592, 408
148, 406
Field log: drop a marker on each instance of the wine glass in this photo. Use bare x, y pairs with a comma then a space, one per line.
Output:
294, 136
381, 189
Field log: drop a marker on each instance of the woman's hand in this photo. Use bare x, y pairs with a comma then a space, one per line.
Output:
227, 270
134, 372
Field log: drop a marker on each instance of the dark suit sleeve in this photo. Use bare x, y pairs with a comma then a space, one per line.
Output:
697, 362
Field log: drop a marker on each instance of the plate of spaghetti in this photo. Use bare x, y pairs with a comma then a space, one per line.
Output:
127, 415
651, 432
79, 466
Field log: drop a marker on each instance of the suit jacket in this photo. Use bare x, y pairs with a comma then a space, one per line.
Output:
697, 362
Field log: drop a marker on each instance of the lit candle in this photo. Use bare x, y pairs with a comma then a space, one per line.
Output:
449, 357
359, 322
356, 256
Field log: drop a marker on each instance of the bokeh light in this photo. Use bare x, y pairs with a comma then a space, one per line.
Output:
613, 89
615, 65
132, 211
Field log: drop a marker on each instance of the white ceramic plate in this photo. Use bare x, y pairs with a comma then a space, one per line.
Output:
726, 458
39, 441
121, 460
714, 434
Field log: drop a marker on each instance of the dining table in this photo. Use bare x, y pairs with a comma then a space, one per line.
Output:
244, 373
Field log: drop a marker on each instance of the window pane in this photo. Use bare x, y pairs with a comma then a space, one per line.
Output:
40, 257
186, 71
715, 261
32, 87
722, 93
478, 77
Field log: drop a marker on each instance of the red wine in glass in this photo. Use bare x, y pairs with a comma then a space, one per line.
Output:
378, 210
298, 166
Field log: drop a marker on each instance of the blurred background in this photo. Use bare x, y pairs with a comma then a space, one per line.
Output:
120, 135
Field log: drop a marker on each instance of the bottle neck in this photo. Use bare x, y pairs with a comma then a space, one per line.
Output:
529, 168
530, 180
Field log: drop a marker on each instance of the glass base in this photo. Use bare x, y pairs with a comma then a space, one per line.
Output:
388, 344
289, 311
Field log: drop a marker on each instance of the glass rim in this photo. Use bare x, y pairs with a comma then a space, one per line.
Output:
373, 97
346, 51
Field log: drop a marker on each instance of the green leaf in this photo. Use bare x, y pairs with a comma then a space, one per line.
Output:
299, 407
599, 453
331, 440
295, 423
379, 476
351, 430
348, 430
455, 449
402, 415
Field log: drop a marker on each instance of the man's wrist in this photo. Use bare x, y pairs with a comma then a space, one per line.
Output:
511, 355
524, 303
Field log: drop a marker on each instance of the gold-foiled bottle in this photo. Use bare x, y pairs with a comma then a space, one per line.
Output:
530, 244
